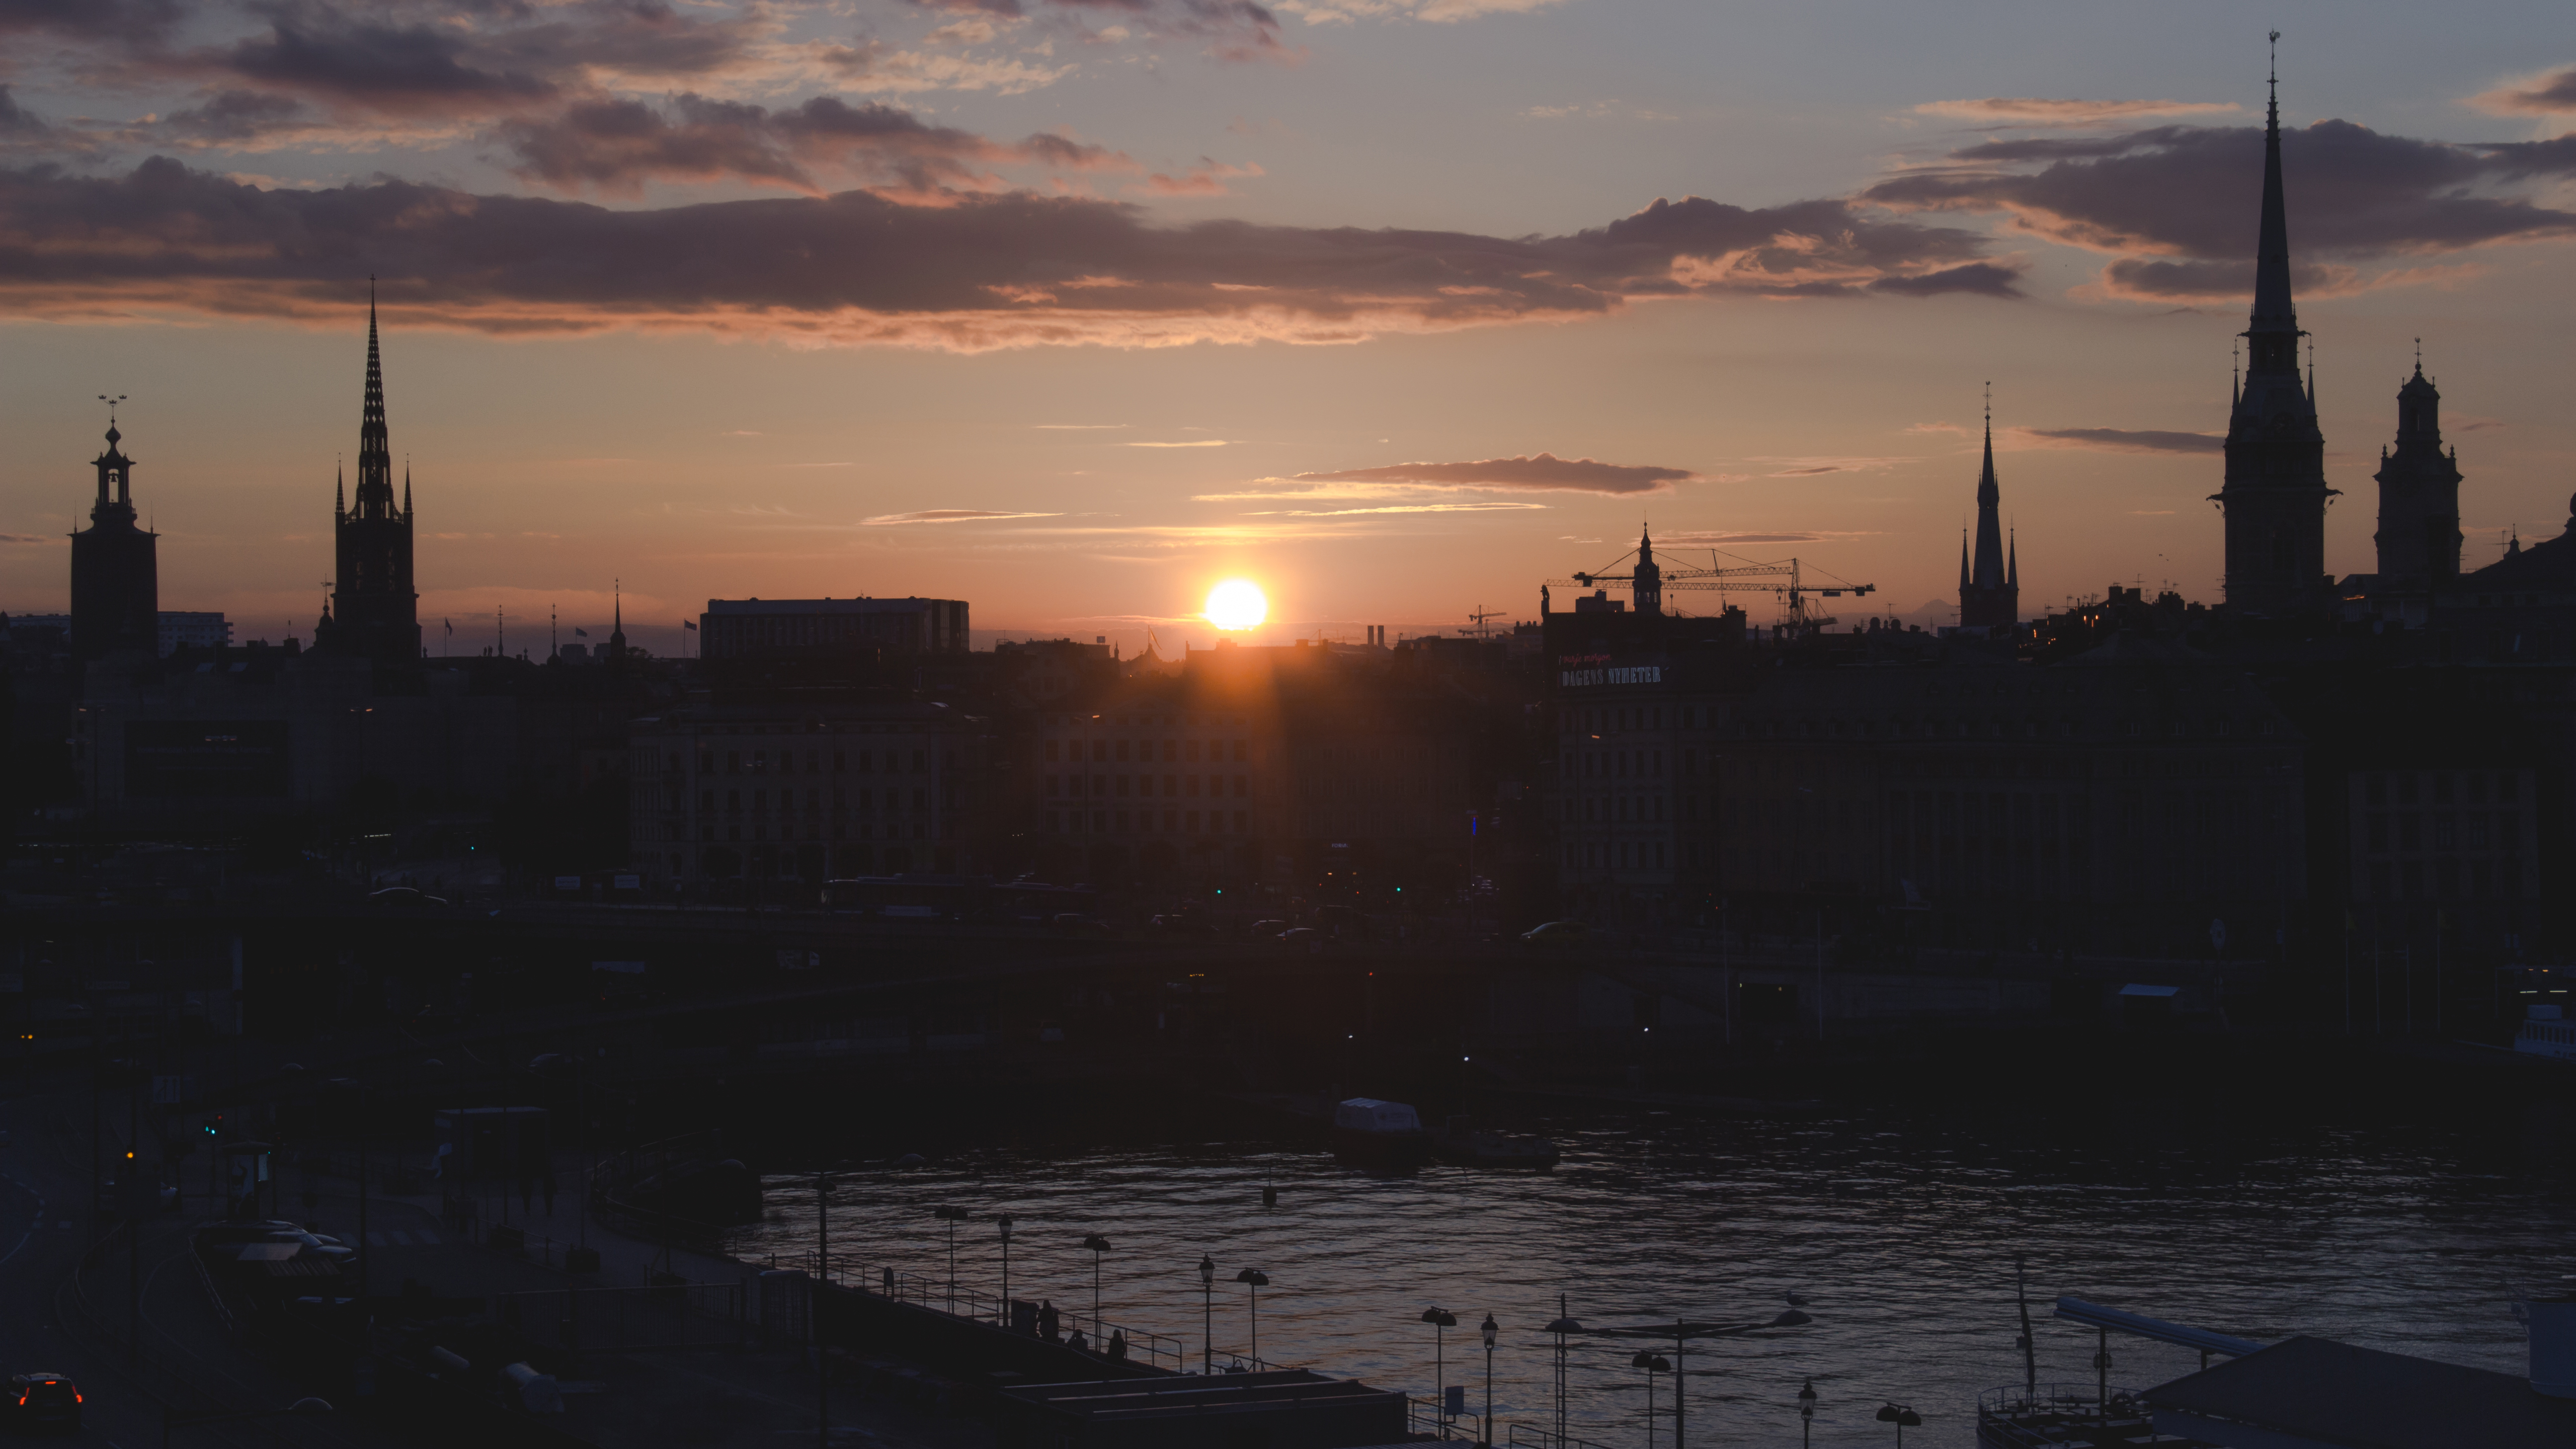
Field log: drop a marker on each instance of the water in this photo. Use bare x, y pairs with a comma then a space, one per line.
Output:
1898, 1229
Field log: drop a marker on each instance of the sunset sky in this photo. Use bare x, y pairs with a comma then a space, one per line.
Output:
1398, 307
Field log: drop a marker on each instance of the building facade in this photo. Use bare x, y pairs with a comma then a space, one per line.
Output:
2419, 495
766, 792
756, 628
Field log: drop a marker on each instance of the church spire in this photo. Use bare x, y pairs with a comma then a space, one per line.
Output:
375, 446
2275, 323
1989, 572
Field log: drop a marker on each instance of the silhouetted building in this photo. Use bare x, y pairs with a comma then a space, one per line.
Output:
808, 792
116, 589
2275, 491
758, 628
1990, 592
374, 611
2419, 494
176, 630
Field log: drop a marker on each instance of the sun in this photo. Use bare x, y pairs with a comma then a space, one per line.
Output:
1237, 604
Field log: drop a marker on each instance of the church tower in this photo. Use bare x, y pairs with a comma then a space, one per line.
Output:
2419, 494
1990, 588
1647, 587
374, 610
2275, 491
116, 571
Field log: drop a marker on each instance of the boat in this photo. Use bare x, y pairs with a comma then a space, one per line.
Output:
2546, 1032
1381, 1135
1457, 1141
2070, 1416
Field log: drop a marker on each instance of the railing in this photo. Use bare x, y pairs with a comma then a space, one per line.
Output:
666, 1315
1524, 1436
850, 1271
1427, 1416
2018, 1418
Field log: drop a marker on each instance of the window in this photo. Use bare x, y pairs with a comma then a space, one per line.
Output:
2378, 833
707, 800
760, 762
1190, 751
1099, 754
1122, 757
2410, 831
733, 762
1242, 751
1242, 786
840, 762
1050, 752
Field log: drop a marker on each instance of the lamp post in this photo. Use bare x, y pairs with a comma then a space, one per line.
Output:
1439, 1319
1207, 1313
1253, 1281
1489, 1328
1653, 1364
1807, 1413
1903, 1417
1004, 1223
1098, 1245
1683, 1332
952, 1216
1562, 1325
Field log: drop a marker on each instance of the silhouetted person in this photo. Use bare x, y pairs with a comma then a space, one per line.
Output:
1118, 1343
1047, 1320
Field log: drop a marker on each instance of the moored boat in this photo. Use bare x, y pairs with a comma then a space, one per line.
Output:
1458, 1141
1377, 1134
2546, 1032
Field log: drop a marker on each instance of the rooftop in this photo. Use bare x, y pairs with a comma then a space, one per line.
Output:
2316, 1392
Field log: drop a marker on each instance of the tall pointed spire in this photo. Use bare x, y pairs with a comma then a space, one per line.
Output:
2275, 492
1989, 572
375, 446
2274, 314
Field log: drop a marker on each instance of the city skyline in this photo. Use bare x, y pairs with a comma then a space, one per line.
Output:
1397, 462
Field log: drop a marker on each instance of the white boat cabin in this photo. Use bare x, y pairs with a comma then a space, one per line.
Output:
2546, 1033
1368, 1114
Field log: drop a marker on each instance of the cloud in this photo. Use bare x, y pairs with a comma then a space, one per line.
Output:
2037, 111
617, 145
1194, 443
1208, 178
1077, 427
1394, 508
1435, 12
2118, 440
950, 515
2174, 205
24, 538
2549, 93
15, 120
1816, 467
975, 272
875, 66
1544, 472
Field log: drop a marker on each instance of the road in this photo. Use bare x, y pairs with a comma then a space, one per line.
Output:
44, 1203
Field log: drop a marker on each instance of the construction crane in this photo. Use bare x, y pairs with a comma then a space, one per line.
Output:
1784, 578
1480, 618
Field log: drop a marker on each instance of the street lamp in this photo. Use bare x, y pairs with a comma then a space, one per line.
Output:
1489, 1328
1207, 1313
1806, 1413
1253, 1281
1561, 1325
1653, 1364
1098, 1245
952, 1216
1903, 1417
1439, 1319
1004, 1223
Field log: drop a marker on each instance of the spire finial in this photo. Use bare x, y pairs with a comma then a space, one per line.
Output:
2275, 78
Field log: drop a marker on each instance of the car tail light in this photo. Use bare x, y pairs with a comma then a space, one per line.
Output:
76, 1398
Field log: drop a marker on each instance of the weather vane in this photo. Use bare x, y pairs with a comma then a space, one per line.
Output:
111, 406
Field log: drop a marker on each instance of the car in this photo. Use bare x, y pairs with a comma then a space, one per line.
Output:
1554, 933
1306, 936
44, 1401
406, 898
1268, 928
1074, 924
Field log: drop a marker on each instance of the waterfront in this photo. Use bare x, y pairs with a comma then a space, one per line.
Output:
1899, 1229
